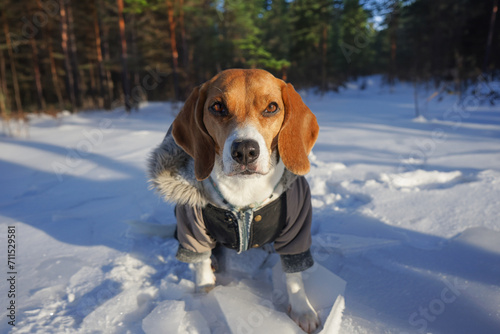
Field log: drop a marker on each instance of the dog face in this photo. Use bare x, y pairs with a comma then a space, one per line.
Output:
245, 117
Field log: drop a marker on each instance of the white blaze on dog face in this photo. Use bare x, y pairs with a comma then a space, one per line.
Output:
261, 164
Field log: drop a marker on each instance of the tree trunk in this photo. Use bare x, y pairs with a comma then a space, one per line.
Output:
73, 54
96, 100
3, 84
125, 79
109, 85
17, 93
105, 53
3, 108
38, 78
135, 53
392, 70
4, 112
67, 65
104, 97
53, 69
393, 28
173, 46
490, 36
55, 76
185, 51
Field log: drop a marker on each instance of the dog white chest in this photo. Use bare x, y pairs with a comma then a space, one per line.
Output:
242, 191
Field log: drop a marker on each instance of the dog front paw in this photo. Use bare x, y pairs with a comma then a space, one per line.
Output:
203, 289
204, 278
307, 320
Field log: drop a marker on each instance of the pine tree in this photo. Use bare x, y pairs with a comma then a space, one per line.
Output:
124, 57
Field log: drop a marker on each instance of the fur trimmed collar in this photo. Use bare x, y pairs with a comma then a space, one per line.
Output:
171, 173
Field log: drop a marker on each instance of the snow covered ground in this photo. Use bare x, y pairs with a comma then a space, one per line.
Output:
407, 212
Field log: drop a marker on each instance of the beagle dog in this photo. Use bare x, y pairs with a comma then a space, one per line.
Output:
233, 161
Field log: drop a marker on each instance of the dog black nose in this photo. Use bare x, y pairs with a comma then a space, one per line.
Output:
245, 151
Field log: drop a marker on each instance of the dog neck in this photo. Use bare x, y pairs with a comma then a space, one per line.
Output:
243, 191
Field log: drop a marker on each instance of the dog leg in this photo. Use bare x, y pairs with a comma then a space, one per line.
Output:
204, 278
300, 308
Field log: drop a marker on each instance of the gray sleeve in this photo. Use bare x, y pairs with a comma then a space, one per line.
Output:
194, 243
294, 242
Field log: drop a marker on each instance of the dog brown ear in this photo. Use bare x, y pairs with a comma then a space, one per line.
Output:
190, 133
298, 132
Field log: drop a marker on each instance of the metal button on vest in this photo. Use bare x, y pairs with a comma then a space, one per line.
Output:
258, 218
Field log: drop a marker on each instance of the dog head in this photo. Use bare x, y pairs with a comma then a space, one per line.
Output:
244, 117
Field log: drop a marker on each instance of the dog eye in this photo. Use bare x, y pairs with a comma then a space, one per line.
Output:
218, 108
271, 109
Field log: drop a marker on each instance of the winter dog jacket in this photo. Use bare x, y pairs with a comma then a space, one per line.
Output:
285, 219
